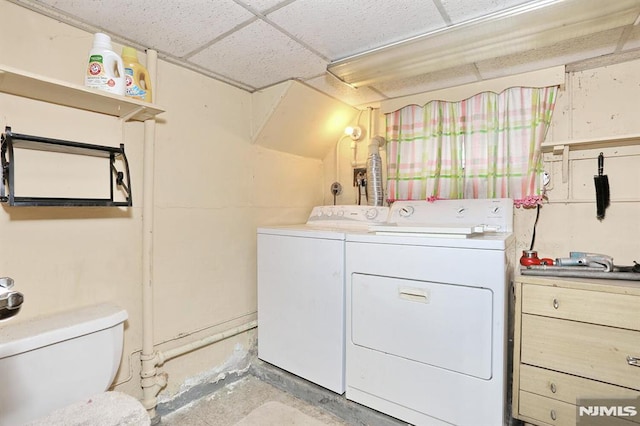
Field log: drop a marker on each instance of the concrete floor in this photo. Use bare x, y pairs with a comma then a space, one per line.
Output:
268, 396
251, 402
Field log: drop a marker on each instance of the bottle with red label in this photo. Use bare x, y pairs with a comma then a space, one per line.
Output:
105, 70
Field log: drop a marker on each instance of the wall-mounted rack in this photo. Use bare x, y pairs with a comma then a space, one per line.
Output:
11, 141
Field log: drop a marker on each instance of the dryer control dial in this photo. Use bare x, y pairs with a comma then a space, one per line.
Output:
406, 211
371, 214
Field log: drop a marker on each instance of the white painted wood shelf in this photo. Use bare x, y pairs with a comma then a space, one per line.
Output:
32, 86
589, 143
563, 147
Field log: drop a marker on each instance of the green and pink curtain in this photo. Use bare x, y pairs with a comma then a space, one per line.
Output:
486, 146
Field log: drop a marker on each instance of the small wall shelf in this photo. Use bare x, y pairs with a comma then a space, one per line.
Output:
563, 147
589, 143
20, 83
120, 179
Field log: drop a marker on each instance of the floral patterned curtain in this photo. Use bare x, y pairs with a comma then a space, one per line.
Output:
487, 146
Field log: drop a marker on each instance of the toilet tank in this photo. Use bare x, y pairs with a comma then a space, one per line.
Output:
55, 360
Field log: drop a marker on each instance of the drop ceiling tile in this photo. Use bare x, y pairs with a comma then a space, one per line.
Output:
567, 52
340, 28
428, 82
259, 55
262, 5
336, 89
176, 27
460, 11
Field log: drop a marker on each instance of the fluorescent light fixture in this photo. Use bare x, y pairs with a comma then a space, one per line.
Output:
533, 25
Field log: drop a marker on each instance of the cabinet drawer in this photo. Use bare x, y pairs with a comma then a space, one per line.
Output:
586, 350
616, 310
547, 410
568, 388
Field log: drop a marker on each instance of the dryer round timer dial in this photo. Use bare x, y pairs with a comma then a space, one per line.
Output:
406, 211
371, 214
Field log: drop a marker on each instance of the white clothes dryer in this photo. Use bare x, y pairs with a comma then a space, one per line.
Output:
427, 312
301, 292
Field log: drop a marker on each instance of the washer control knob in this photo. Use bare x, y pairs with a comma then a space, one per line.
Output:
330, 213
340, 213
461, 211
406, 211
371, 214
496, 210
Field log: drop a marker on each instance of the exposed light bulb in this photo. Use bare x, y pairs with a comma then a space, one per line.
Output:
355, 132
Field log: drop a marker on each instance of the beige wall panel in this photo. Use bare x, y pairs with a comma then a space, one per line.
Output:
44, 46
605, 101
284, 180
204, 268
202, 145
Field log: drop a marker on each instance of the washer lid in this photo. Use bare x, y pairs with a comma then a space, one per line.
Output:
304, 231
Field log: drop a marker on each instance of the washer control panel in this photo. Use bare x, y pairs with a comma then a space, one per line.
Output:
494, 215
348, 215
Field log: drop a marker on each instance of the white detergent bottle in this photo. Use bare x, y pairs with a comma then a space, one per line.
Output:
105, 70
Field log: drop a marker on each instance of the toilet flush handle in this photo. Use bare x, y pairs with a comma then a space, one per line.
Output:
10, 301
6, 282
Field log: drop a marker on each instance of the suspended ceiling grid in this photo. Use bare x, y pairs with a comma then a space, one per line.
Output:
253, 44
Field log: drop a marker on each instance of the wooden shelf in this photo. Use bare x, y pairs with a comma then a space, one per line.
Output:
563, 147
20, 83
589, 143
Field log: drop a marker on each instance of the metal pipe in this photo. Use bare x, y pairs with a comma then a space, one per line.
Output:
149, 380
192, 346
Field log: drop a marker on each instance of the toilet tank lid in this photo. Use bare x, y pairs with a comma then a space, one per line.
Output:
19, 337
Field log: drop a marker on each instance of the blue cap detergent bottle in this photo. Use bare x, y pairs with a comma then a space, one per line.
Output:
138, 82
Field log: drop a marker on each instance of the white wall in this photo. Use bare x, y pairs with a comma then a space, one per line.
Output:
213, 187
596, 103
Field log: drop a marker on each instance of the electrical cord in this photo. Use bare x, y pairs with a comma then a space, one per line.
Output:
533, 234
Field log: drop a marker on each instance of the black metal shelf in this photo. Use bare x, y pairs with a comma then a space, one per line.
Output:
11, 141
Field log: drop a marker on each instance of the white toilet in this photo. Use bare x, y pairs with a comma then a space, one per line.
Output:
50, 362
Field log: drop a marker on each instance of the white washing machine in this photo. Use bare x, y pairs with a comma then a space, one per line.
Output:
301, 292
427, 312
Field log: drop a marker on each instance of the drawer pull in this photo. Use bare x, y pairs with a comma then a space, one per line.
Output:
631, 360
555, 303
553, 415
553, 388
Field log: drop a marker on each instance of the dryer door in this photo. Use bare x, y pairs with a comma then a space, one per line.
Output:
443, 325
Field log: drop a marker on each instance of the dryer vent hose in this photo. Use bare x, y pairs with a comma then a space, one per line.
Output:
375, 191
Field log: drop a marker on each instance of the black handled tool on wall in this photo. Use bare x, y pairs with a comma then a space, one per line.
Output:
602, 189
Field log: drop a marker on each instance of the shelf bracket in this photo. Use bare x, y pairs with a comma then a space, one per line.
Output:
133, 113
564, 151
